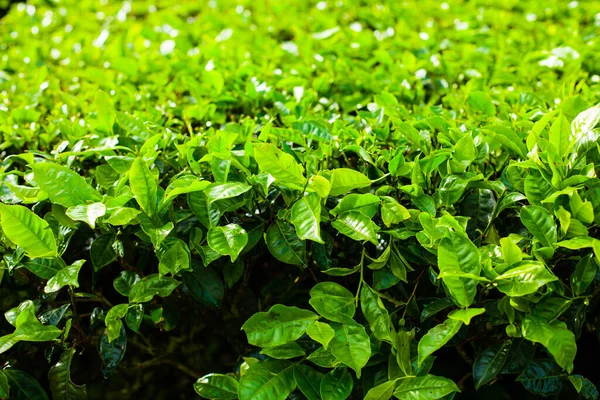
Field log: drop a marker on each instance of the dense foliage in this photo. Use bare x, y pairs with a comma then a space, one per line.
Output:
263, 200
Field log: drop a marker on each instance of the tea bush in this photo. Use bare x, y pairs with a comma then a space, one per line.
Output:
299, 199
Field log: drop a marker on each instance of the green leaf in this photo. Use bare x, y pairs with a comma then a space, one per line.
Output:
555, 336
332, 301
228, 240
60, 379
524, 278
267, 380
306, 217
217, 386
65, 276
321, 333
28, 231
584, 274
23, 386
174, 256
456, 255
87, 213
427, 387
102, 252
540, 223
143, 185
233, 272
367, 204
356, 226
222, 191
278, 326
284, 244
279, 165
336, 385
64, 186
112, 353
4, 389
465, 315
490, 363
541, 378
437, 337
343, 180
150, 286
375, 313
208, 214
351, 345
204, 285
435, 307
308, 381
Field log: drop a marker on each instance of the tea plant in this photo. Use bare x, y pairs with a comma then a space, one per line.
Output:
327, 200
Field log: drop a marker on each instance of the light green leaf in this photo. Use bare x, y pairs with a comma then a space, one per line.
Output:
150, 286
367, 204
228, 240
174, 256
426, 387
560, 136
375, 313
404, 339
351, 345
222, 191
113, 321
65, 276
382, 391
524, 278
306, 217
356, 226
217, 386
457, 255
278, 326
280, 165
540, 223
481, 102
344, 180
555, 336
465, 315
87, 213
437, 337
393, 212
284, 352
320, 332
123, 216
332, 301
267, 380
28, 231
64, 186
143, 185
